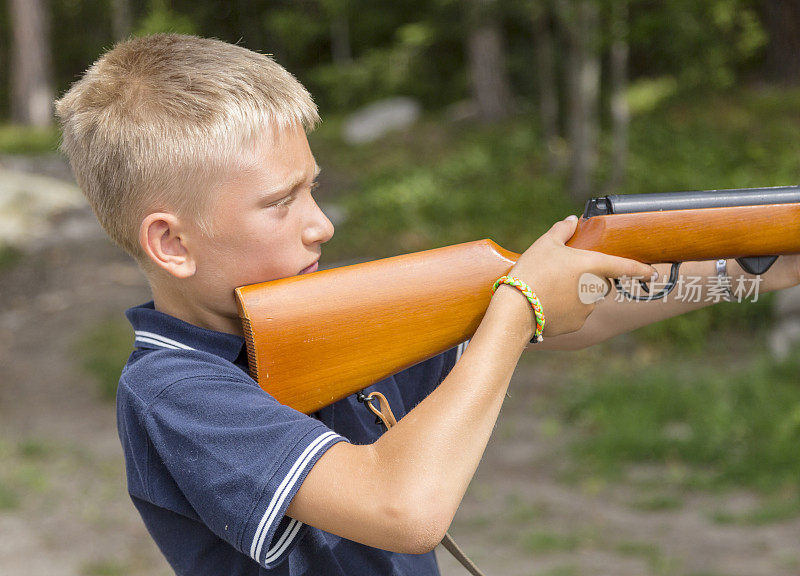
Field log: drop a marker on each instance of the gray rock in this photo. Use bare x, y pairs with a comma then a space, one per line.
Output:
31, 206
53, 164
379, 118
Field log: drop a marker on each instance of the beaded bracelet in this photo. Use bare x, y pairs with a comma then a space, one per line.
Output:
531, 296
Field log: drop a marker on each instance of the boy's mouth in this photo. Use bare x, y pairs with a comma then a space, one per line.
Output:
310, 269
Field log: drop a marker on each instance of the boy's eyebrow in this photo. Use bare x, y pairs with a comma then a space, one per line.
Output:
296, 182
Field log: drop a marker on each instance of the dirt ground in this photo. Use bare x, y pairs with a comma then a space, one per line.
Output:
64, 510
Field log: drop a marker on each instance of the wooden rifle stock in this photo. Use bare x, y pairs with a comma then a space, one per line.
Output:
316, 338
695, 234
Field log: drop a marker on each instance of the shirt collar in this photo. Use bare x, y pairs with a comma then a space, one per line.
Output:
155, 330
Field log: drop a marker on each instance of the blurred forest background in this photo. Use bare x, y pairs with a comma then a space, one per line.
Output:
669, 451
537, 104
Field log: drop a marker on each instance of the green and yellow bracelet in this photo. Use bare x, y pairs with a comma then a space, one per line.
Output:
531, 296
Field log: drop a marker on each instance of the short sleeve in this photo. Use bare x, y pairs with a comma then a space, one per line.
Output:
238, 457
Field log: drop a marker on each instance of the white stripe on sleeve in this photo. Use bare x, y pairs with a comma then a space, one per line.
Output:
460, 349
292, 530
283, 491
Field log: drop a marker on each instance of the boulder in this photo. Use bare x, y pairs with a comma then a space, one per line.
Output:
380, 118
32, 207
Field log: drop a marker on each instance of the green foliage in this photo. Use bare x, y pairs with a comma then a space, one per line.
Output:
726, 140
105, 568
103, 351
160, 18
776, 509
80, 31
658, 503
542, 542
412, 48
379, 72
432, 188
294, 31
15, 139
644, 550
734, 425
9, 498
703, 44
33, 449
692, 331
647, 94
10, 256
415, 47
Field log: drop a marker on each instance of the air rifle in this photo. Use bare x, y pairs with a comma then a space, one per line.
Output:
316, 338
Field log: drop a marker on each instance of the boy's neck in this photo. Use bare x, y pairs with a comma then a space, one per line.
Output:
192, 311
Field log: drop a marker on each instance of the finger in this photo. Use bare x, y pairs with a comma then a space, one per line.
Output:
616, 267
563, 230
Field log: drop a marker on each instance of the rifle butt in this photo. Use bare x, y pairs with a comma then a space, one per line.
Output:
314, 339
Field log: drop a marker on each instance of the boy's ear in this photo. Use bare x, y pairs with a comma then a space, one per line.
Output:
161, 238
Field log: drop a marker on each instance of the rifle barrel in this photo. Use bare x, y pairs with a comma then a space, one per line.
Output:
657, 202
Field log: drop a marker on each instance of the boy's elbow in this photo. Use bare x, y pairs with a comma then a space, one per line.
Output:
419, 527
427, 535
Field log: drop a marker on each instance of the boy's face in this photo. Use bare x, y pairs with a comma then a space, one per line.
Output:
265, 223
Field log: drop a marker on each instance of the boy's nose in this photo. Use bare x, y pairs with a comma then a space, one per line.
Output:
319, 228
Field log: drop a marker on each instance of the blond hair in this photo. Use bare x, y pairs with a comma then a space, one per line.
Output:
157, 117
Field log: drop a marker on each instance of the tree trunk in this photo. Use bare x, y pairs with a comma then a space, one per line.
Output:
620, 116
548, 95
340, 40
491, 88
782, 19
580, 21
31, 85
121, 20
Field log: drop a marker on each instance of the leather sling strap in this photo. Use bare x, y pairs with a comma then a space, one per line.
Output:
384, 414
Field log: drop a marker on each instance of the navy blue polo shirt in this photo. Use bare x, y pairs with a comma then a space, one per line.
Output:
213, 461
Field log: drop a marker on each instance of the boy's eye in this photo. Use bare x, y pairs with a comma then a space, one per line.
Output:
288, 199
285, 201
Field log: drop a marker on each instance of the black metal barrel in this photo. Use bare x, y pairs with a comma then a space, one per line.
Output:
631, 203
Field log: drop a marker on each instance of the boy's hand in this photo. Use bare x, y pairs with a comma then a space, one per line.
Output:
553, 270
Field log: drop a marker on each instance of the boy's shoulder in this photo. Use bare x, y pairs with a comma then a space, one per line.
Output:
177, 363
169, 351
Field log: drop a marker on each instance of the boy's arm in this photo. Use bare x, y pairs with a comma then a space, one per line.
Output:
401, 492
612, 317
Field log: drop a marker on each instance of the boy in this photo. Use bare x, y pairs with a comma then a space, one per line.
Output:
194, 157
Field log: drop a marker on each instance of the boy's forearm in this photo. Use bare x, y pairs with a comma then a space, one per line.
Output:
444, 437
406, 487
613, 316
